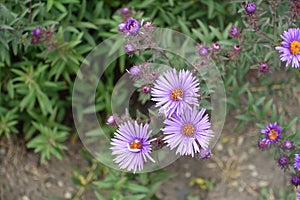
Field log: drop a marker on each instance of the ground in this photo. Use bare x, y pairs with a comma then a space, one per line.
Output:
238, 170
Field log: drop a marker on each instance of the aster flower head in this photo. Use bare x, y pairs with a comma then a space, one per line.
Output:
272, 133
111, 121
125, 13
298, 193
237, 48
34, 40
146, 89
262, 144
129, 49
283, 162
234, 31
216, 46
250, 7
189, 132
121, 27
203, 50
297, 162
132, 146
295, 180
37, 32
134, 70
290, 47
148, 25
288, 144
175, 92
132, 26
264, 68
205, 153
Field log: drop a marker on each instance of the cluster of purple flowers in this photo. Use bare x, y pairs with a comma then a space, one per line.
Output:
273, 137
289, 49
186, 127
39, 35
138, 33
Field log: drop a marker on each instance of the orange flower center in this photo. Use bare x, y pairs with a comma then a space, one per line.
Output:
295, 47
135, 144
273, 134
176, 94
188, 129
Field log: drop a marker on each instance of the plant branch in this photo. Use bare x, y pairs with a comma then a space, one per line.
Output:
86, 180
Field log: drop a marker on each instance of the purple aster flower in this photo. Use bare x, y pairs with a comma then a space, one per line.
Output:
146, 89
188, 132
298, 193
272, 133
237, 48
34, 40
283, 162
121, 27
234, 31
290, 47
111, 121
262, 144
216, 46
205, 153
264, 68
129, 49
135, 70
37, 32
288, 144
203, 50
148, 25
295, 180
125, 11
297, 162
132, 146
250, 7
132, 26
175, 92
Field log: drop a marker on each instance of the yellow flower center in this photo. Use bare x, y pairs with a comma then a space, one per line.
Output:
295, 47
135, 144
273, 134
188, 129
176, 94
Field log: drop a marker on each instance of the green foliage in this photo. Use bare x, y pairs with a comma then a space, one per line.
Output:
110, 184
48, 142
190, 197
126, 186
283, 194
8, 122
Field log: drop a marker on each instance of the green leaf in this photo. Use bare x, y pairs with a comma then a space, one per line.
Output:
291, 123
244, 117
60, 6
49, 5
99, 196
135, 197
86, 25
135, 188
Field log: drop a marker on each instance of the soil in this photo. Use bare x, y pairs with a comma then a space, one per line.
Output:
22, 177
238, 170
